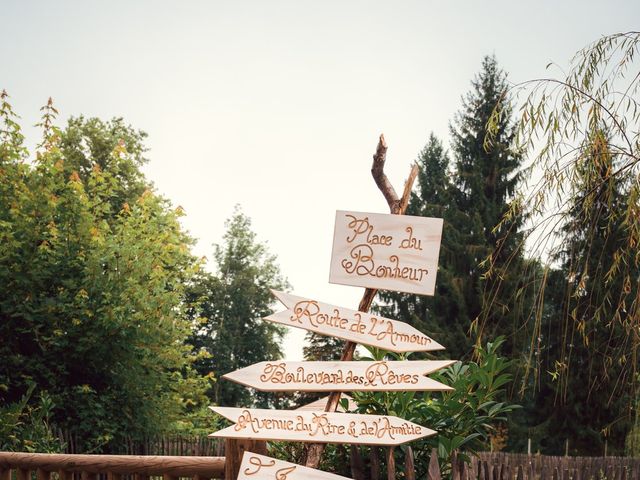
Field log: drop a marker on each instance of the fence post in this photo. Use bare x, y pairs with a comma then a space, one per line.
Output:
374, 462
434, 467
410, 469
391, 464
233, 451
357, 464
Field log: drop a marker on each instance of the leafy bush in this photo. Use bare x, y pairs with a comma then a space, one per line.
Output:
464, 417
93, 269
27, 428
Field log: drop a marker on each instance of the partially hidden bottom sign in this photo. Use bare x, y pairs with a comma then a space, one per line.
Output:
318, 427
260, 467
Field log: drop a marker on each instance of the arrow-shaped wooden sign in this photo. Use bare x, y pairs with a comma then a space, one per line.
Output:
351, 325
260, 467
318, 427
379, 376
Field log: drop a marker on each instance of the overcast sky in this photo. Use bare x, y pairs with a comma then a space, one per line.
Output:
277, 105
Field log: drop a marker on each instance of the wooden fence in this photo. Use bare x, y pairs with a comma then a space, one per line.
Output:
169, 445
504, 466
514, 466
486, 466
113, 467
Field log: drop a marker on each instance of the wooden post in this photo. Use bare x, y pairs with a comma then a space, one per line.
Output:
397, 206
455, 473
391, 464
5, 474
410, 469
233, 451
434, 467
520, 475
375, 463
42, 474
357, 464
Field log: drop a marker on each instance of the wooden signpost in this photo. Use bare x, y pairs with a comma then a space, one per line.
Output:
376, 251
322, 427
387, 252
351, 325
261, 467
388, 376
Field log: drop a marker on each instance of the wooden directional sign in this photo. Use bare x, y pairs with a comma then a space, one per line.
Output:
392, 376
387, 252
351, 325
261, 467
318, 427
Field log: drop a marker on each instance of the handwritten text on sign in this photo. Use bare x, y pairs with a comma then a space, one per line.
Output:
387, 252
351, 325
378, 376
318, 427
261, 467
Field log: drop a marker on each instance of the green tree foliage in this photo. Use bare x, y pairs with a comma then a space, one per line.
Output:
318, 348
572, 345
471, 194
487, 175
322, 348
90, 143
484, 283
25, 426
444, 316
92, 271
586, 209
232, 302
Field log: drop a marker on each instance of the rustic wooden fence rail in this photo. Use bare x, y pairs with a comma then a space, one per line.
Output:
114, 467
486, 466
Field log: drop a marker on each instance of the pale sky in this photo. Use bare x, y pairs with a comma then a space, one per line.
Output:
277, 105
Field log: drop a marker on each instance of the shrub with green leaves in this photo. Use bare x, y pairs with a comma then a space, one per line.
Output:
93, 266
26, 427
464, 418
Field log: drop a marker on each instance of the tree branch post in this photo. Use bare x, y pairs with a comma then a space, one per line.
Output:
397, 206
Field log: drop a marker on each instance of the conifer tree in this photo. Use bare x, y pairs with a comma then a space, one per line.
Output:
471, 196
444, 314
487, 173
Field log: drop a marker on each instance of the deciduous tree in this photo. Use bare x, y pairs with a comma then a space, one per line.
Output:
93, 265
233, 301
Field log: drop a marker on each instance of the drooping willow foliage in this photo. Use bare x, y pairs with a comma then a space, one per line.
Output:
582, 135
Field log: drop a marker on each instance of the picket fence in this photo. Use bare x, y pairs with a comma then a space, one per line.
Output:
515, 466
172, 445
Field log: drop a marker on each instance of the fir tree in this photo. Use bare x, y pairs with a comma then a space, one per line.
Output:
444, 314
486, 177
472, 198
